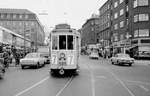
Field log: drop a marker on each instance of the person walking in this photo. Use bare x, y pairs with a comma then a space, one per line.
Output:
6, 59
17, 58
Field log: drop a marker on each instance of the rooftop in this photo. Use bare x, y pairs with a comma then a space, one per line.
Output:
18, 11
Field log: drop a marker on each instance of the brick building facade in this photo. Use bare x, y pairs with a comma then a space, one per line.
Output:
89, 31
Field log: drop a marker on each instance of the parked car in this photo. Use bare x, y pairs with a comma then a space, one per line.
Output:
94, 55
33, 59
121, 59
47, 57
2, 68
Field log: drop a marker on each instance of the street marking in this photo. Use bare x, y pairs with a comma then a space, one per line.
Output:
144, 88
61, 90
102, 77
92, 80
141, 82
36, 84
93, 84
122, 83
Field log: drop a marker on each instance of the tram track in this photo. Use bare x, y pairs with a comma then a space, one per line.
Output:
65, 86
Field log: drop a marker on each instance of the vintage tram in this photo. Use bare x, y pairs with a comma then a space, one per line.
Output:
64, 49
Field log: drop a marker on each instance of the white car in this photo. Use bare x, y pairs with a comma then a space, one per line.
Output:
94, 55
33, 59
121, 59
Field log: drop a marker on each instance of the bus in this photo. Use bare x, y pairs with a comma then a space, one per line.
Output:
64, 49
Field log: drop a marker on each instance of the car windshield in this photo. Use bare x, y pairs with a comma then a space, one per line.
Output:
32, 55
123, 55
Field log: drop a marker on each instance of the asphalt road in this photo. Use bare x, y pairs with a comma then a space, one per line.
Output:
96, 78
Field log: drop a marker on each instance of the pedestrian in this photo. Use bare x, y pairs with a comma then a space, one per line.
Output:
6, 59
17, 58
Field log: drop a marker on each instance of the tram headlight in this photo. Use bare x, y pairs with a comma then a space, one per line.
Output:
62, 55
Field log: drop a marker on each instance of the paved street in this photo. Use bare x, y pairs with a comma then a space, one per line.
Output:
96, 78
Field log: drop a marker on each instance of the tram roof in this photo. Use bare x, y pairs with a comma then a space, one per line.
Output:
64, 31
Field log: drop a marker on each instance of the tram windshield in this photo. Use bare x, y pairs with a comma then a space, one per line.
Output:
70, 42
62, 42
54, 42
65, 42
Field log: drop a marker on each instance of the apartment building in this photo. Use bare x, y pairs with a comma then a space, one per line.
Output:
23, 22
129, 24
89, 31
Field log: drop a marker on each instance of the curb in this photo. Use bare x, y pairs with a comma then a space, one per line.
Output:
142, 62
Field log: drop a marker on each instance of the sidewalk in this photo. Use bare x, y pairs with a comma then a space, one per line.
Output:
142, 62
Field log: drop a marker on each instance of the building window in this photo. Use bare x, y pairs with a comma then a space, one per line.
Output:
14, 16
140, 3
127, 8
143, 17
26, 16
121, 37
121, 24
127, 21
108, 6
135, 18
14, 23
92, 23
20, 23
115, 4
116, 15
120, 1
116, 26
135, 3
8, 16
20, 16
115, 37
2, 15
143, 32
32, 23
136, 33
92, 29
108, 16
121, 12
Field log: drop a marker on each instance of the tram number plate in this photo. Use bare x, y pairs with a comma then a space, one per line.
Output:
62, 63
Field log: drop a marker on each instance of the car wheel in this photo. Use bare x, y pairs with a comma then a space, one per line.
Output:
118, 63
38, 64
22, 67
130, 64
112, 62
1, 75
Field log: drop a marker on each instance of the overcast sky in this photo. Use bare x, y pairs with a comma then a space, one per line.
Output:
73, 12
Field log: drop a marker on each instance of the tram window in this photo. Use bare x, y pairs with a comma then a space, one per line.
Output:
54, 43
70, 42
62, 42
